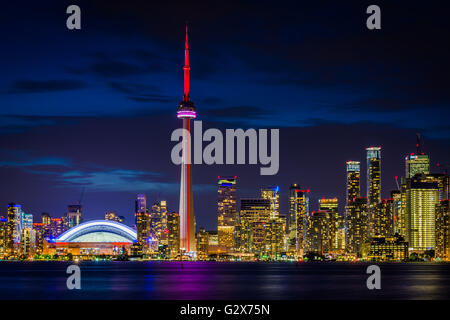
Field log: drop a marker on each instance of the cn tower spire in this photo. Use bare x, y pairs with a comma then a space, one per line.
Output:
186, 68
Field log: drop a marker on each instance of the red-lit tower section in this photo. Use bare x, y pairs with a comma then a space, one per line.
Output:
186, 111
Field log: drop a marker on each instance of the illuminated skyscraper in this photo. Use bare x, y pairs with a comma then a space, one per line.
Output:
383, 220
74, 215
443, 230
141, 203
357, 221
336, 222
318, 238
254, 216
13, 228
417, 164
173, 225
227, 215
3, 224
422, 196
353, 180
186, 111
272, 194
202, 244
298, 211
159, 221
275, 232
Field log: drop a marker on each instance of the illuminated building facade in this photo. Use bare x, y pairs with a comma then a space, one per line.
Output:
13, 228
141, 203
274, 242
385, 249
202, 244
186, 112
159, 221
57, 227
3, 224
227, 214
255, 214
357, 221
298, 211
318, 237
74, 215
272, 194
422, 196
382, 219
336, 221
416, 164
397, 214
373, 184
173, 226
28, 242
442, 236
353, 180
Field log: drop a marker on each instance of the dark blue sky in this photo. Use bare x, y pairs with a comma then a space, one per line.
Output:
94, 108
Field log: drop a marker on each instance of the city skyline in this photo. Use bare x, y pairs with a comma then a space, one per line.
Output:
98, 115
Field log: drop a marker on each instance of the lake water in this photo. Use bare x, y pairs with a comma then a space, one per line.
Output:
223, 280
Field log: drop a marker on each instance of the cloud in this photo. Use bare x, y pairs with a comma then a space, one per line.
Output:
139, 92
36, 162
40, 86
239, 112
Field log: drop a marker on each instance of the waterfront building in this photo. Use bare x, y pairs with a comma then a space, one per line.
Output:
40, 236
3, 225
272, 194
57, 227
255, 214
357, 222
274, 242
298, 211
173, 226
385, 249
336, 221
373, 184
202, 244
13, 229
158, 220
226, 212
318, 237
442, 232
422, 196
28, 242
382, 220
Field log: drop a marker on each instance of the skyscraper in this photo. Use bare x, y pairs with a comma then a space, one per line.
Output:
422, 196
173, 225
272, 194
357, 221
74, 215
318, 236
298, 211
226, 209
416, 164
186, 111
443, 230
353, 180
373, 175
141, 203
13, 228
373, 185
336, 221
159, 221
142, 221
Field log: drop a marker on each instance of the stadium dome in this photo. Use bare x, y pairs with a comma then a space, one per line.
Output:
99, 231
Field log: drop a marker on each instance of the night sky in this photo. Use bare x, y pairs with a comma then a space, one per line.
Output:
94, 108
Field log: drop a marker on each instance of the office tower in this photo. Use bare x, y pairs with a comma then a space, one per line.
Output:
28, 242
272, 194
274, 242
383, 220
159, 221
385, 249
141, 203
40, 235
3, 224
422, 196
173, 225
226, 209
46, 225
442, 234
143, 228
13, 228
27, 220
443, 183
202, 244
318, 238
416, 164
373, 175
373, 184
186, 111
353, 180
336, 221
112, 216
357, 221
74, 215
298, 210
254, 215
398, 222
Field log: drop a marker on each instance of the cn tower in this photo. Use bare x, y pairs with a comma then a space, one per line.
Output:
186, 111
